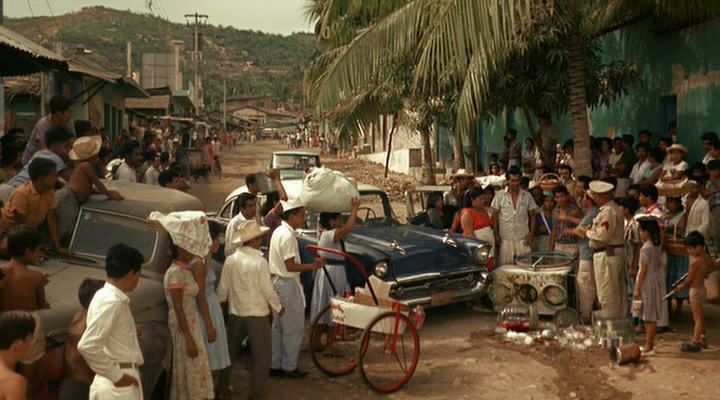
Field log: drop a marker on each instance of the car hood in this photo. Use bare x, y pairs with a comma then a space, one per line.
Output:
413, 250
147, 301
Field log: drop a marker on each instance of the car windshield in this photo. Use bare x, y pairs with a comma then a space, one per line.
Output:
372, 211
97, 231
295, 161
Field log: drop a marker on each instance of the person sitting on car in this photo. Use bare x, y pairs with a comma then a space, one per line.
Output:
33, 203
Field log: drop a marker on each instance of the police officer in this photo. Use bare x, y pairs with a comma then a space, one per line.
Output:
606, 240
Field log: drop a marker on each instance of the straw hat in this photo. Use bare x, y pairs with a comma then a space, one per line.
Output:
463, 173
677, 147
187, 229
85, 147
248, 230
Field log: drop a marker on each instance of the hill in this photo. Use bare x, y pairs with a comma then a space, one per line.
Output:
252, 62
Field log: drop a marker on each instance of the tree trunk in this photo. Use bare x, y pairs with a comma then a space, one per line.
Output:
578, 108
529, 122
458, 156
428, 175
473, 144
389, 144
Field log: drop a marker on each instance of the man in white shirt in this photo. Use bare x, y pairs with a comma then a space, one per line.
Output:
247, 204
642, 165
245, 284
712, 150
285, 267
152, 175
110, 343
132, 158
514, 219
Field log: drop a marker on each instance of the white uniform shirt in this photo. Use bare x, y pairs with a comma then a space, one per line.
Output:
284, 246
110, 337
513, 222
125, 173
230, 234
638, 171
245, 284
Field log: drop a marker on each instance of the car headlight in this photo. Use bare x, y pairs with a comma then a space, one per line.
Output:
381, 269
482, 254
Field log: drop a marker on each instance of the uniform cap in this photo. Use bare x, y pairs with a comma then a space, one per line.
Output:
601, 187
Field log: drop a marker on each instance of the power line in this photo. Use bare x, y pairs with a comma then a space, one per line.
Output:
161, 7
31, 10
52, 14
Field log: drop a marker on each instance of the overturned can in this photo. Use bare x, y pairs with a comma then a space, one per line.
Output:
626, 354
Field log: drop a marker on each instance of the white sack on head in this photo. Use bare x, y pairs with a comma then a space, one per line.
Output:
325, 190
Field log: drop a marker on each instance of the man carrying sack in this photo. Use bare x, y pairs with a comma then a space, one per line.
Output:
606, 240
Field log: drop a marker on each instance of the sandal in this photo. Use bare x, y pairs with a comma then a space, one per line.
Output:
647, 353
703, 342
691, 347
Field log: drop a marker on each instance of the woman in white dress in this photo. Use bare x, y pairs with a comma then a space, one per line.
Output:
333, 280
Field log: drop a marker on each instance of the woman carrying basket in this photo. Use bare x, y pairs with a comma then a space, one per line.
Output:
333, 282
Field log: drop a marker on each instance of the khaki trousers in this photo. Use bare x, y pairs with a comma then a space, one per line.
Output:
610, 283
510, 249
586, 288
258, 332
567, 248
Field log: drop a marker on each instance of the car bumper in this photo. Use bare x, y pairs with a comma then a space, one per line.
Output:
437, 293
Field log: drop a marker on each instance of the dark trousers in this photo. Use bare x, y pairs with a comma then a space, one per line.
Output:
258, 332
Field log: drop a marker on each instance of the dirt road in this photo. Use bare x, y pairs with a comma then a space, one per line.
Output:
463, 358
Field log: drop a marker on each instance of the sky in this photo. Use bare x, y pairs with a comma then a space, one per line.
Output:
273, 16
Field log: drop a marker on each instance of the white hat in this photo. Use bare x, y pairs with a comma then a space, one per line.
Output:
187, 229
601, 187
247, 231
291, 204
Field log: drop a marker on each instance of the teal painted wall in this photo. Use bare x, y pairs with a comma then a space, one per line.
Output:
684, 63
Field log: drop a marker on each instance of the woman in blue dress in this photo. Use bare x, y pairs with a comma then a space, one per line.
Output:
678, 265
206, 272
333, 236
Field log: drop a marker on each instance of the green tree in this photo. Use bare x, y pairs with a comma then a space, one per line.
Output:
477, 37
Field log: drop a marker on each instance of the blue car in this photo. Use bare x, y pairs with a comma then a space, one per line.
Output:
424, 266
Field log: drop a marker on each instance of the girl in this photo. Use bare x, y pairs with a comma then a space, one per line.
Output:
206, 274
476, 218
675, 226
436, 212
333, 237
495, 169
649, 285
675, 168
603, 161
544, 224
191, 377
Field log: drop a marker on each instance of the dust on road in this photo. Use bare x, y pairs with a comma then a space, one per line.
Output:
461, 356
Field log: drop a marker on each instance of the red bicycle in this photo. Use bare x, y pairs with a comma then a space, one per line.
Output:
378, 335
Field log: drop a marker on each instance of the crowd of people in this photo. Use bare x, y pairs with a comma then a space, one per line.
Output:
634, 240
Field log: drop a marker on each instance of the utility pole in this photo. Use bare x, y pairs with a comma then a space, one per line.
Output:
224, 121
197, 55
129, 59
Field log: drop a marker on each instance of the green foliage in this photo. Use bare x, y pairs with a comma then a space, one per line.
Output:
278, 61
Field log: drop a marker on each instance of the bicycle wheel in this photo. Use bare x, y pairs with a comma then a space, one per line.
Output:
340, 357
388, 359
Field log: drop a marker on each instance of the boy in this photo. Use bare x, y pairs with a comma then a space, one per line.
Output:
711, 193
109, 344
77, 375
33, 203
24, 290
16, 337
245, 284
152, 174
59, 141
700, 265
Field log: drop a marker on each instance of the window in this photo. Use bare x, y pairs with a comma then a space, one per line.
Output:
97, 231
226, 212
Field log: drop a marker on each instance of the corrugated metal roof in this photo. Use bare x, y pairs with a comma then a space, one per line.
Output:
29, 56
152, 103
84, 67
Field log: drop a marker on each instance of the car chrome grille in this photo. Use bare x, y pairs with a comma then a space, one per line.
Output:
432, 286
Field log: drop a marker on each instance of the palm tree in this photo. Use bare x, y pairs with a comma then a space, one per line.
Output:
475, 38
